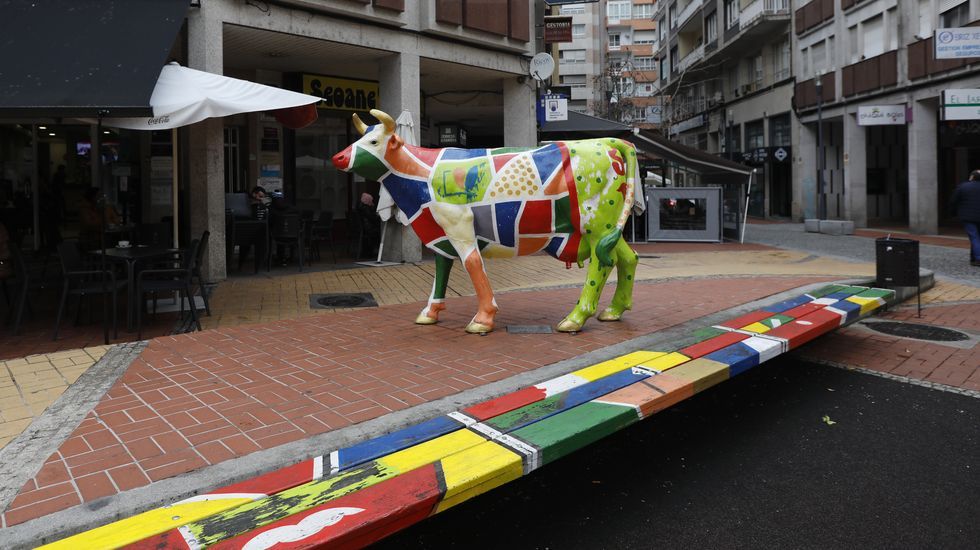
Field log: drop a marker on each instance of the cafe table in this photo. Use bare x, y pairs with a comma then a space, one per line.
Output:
131, 256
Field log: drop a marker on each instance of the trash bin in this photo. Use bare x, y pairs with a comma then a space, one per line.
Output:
896, 262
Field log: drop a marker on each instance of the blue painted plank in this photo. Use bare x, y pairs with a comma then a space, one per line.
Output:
853, 310
788, 304
737, 356
395, 441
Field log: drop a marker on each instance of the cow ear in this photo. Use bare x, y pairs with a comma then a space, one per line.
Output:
395, 142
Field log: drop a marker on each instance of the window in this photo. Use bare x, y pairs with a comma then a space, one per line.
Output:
780, 60
578, 31
572, 10
571, 56
731, 13
673, 59
854, 53
956, 17
643, 11
618, 9
573, 80
754, 135
779, 128
644, 63
711, 28
873, 31
805, 62
644, 37
753, 72
818, 57
662, 27
615, 39
662, 73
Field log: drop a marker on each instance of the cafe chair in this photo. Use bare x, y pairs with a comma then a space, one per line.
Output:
287, 231
80, 281
196, 271
322, 232
169, 280
22, 281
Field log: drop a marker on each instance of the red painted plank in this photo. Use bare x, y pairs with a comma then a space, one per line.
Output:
806, 328
802, 310
747, 319
713, 344
352, 521
505, 403
273, 482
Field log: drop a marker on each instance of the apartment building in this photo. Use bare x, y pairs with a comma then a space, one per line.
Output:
609, 65
870, 58
727, 86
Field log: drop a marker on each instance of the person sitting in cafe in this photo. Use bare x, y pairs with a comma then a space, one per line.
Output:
90, 231
259, 201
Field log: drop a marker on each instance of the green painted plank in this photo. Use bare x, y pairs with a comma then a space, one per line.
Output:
829, 289
571, 430
876, 293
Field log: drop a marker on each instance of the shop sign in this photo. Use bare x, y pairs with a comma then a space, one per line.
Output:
881, 115
557, 29
960, 104
958, 43
555, 109
781, 153
452, 135
342, 94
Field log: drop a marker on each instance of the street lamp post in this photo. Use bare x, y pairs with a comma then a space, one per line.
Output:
821, 196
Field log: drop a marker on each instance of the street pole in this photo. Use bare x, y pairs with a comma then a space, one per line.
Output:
821, 197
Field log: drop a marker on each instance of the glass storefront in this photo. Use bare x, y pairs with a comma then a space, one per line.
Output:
319, 186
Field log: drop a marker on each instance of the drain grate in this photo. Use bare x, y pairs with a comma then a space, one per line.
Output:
917, 331
529, 329
334, 301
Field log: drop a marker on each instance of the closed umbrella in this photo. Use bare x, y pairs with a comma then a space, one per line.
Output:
405, 129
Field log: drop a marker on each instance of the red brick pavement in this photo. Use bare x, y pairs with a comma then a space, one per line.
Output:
196, 399
917, 359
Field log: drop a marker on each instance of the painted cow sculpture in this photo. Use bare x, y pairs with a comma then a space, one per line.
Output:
570, 199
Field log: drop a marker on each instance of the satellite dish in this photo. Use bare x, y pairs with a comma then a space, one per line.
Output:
542, 65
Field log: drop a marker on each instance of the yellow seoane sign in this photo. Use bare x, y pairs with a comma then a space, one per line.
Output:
342, 94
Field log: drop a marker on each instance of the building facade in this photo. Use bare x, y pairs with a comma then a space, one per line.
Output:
871, 58
727, 85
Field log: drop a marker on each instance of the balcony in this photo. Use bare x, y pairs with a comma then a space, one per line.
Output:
870, 74
638, 49
806, 91
697, 54
687, 12
813, 14
759, 9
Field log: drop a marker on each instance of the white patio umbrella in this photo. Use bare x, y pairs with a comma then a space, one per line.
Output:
405, 129
184, 96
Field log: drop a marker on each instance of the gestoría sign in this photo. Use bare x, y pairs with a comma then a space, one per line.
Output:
557, 29
342, 94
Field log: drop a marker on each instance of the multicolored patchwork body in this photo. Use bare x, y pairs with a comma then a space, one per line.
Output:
570, 199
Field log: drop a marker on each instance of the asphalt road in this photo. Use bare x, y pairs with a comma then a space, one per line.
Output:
751, 464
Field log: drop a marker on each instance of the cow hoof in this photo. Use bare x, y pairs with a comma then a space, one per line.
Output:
609, 314
424, 319
478, 328
569, 326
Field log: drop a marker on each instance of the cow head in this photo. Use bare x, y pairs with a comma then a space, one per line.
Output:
365, 156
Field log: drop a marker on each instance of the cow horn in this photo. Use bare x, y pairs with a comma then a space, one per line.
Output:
385, 119
358, 125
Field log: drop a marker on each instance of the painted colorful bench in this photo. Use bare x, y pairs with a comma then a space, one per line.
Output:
357, 495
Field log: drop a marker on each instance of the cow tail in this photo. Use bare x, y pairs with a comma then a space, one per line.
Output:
604, 248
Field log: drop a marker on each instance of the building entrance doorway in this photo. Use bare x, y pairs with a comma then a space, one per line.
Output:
886, 149
959, 153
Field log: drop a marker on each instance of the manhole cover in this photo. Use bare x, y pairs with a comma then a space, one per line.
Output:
917, 331
529, 329
333, 301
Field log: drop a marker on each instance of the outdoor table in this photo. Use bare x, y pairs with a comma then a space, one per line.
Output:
132, 255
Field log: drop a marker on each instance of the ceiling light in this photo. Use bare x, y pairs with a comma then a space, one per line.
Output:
42, 127
51, 133
106, 132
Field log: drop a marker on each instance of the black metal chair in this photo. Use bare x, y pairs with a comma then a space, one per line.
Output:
21, 279
81, 281
287, 231
196, 271
322, 232
169, 280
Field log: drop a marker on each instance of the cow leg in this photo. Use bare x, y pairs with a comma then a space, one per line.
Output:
483, 320
437, 303
625, 259
588, 302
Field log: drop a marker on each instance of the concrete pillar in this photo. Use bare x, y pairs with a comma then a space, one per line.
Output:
923, 168
520, 128
855, 172
398, 76
805, 174
206, 144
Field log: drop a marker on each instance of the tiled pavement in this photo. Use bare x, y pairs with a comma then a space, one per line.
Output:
197, 399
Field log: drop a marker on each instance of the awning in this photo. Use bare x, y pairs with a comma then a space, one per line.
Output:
71, 59
582, 126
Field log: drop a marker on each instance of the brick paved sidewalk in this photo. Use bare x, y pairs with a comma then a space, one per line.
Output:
202, 398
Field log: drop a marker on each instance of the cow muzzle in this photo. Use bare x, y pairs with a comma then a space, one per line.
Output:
342, 160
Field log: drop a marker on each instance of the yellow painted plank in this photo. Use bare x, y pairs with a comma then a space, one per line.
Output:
611, 366
666, 361
476, 471
140, 526
702, 373
867, 304
431, 451
756, 327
